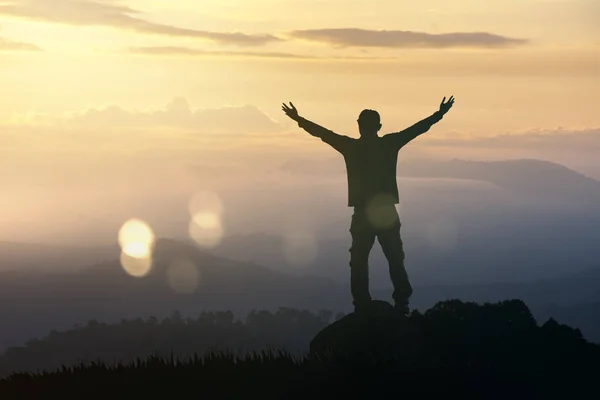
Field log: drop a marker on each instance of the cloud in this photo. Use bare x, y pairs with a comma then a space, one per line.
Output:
539, 140
176, 50
576, 148
177, 113
354, 37
9, 45
188, 51
110, 13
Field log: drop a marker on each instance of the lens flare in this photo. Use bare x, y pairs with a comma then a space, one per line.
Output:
381, 211
136, 240
135, 231
205, 202
137, 250
136, 267
207, 220
206, 226
183, 276
206, 229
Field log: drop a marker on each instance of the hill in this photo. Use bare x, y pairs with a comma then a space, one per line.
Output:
35, 257
532, 178
480, 351
503, 221
535, 179
569, 298
106, 292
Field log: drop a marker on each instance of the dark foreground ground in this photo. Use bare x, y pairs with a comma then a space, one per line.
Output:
280, 376
493, 351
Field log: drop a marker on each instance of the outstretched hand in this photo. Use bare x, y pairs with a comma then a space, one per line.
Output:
445, 107
291, 112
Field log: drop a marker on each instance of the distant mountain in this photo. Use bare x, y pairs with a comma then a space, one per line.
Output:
31, 302
528, 177
452, 246
17, 256
532, 179
514, 220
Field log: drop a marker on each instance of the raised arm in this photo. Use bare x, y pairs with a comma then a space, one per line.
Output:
401, 138
336, 141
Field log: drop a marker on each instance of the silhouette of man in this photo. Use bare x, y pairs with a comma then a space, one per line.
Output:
371, 164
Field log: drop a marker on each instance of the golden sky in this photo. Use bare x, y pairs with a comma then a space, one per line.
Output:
513, 65
112, 99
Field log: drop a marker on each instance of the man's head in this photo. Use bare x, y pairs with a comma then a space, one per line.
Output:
369, 123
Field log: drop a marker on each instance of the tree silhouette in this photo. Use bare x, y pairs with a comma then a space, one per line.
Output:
484, 350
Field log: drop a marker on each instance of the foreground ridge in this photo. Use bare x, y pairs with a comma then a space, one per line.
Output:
489, 350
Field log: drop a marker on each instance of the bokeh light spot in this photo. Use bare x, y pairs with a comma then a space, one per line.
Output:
137, 250
135, 231
382, 212
183, 276
206, 229
205, 202
206, 226
207, 220
136, 240
134, 266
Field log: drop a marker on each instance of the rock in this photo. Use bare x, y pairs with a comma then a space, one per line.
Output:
378, 330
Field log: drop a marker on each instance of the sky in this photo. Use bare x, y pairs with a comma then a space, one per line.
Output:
104, 96
511, 64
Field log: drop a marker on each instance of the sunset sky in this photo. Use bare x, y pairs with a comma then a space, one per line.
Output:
511, 64
112, 95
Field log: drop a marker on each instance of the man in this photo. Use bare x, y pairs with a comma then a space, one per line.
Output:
373, 192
